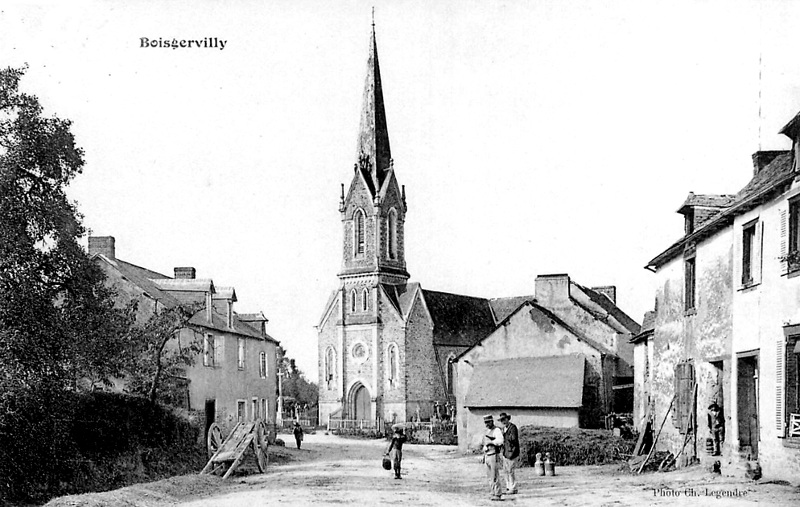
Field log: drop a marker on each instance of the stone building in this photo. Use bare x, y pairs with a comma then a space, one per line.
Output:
236, 377
561, 357
388, 347
727, 323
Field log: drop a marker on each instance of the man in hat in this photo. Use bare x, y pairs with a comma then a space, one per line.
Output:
492, 451
298, 433
510, 453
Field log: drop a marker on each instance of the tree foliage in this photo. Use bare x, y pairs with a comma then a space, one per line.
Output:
57, 318
294, 383
159, 357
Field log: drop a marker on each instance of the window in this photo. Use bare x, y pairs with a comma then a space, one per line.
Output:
364, 300
359, 232
788, 379
262, 365
254, 409
208, 350
359, 351
392, 364
748, 252
353, 298
794, 225
450, 367
241, 411
689, 278
330, 366
391, 232
240, 362
263, 413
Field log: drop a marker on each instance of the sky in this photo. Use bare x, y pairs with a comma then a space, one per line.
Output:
532, 137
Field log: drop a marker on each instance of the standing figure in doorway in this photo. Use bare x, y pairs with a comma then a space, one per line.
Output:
716, 425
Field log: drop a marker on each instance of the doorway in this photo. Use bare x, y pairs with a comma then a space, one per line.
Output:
747, 404
362, 407
211, 412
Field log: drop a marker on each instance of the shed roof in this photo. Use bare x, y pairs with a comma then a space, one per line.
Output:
547, 382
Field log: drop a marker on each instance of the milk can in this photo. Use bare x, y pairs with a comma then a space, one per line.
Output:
538, 466
549, 465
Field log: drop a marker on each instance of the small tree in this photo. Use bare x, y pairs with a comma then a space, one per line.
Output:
294, 383
159, 357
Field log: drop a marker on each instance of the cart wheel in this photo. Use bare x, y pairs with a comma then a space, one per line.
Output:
261, 447
214, 439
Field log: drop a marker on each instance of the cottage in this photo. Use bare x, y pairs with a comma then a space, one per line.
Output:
236, 377
727, 323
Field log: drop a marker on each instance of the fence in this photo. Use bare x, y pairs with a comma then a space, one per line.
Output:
353, 425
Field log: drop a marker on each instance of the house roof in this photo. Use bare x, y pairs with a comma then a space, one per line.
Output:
771, 178
224, 293
503, 307
554, 382
707, 201
648, 326
611, 309
458, 320
220, 322
142, 278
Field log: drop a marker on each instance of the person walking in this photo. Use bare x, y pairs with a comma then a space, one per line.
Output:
510, 453
492, 450
298, 433
398, 439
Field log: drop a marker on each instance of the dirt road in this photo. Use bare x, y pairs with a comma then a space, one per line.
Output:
333, 470
330, 470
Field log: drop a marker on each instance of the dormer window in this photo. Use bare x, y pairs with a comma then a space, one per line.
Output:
359, 232
689, 221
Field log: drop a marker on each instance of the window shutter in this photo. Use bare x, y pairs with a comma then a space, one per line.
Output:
784, 212
758, 251
218, 350
780, 415
738, 257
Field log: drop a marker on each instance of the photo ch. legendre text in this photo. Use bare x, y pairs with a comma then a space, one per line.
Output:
204, 43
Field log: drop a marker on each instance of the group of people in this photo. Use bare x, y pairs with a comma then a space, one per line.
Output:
501, 452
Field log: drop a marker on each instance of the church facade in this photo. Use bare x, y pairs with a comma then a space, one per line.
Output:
387, 347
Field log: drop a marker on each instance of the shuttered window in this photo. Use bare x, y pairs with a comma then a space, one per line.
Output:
780, 379
689, 275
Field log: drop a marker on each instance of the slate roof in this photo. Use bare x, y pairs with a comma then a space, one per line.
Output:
503, 307
143, 278
648, 326
611, 309
401, 296
553, 382
771, 178
458, 320
707, 201
224, 293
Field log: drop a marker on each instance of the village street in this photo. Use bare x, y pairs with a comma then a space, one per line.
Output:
333, 470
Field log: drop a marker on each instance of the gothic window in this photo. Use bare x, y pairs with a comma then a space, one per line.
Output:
450, 367
330, 366
391, 233
359, 232
364, 300
353, 298
393, 366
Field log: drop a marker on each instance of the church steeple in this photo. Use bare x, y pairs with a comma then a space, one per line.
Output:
374, 208
373, 154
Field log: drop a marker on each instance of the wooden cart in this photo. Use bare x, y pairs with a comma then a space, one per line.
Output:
227, 454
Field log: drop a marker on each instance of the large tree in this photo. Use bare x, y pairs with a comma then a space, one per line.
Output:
58, 322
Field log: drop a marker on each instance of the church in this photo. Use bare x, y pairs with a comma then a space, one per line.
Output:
387, 347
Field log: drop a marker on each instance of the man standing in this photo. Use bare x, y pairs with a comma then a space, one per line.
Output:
492, 452
298, 433
510, 453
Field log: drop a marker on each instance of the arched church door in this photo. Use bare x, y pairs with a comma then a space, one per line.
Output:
361, 404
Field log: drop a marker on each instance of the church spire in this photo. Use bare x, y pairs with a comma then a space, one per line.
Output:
373, 153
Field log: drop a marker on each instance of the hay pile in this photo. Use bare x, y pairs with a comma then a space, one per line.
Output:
573, 446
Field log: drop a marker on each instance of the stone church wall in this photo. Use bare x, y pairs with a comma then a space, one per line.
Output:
329, 397
422, 376
394, 393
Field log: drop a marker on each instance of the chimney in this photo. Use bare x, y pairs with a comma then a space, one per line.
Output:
102, 245
761, 159
609, 291
552, 290
185, 273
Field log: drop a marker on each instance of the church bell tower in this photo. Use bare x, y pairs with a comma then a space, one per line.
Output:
373, 210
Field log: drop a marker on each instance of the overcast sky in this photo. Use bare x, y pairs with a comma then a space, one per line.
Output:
532, 137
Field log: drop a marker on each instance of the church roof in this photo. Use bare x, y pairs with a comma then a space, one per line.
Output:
458, 320
554, 382
373, 153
